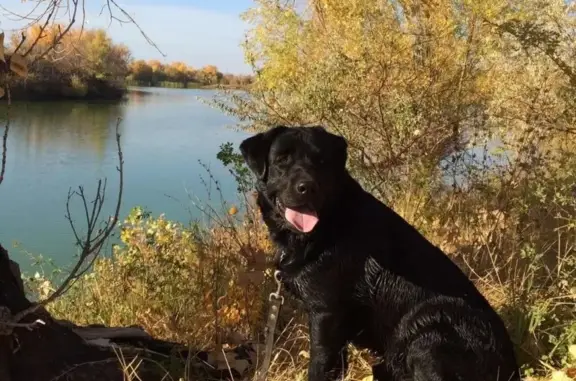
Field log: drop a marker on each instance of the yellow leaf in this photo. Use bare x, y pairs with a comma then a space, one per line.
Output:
560, 376
572, 351
18, 65
233, 210
2, 58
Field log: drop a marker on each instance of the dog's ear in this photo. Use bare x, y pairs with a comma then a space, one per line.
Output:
256, 148
340, 150
338, 144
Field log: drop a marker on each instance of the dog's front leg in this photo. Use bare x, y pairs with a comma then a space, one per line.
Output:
328, 350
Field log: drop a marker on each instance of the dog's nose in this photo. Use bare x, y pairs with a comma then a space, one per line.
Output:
304, 187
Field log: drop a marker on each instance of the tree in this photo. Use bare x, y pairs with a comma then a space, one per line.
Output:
177, 72
157, 70
402, 81
141, 71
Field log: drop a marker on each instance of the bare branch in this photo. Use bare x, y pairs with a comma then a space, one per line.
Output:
5, 136
23, 17
91, 245
60, 35
42, 29
22, 40
131, 20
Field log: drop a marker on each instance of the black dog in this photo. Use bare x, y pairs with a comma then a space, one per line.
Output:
365, 275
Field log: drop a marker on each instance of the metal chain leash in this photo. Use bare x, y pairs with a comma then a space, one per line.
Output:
276, 301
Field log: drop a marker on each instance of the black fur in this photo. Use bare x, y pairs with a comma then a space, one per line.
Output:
368, 277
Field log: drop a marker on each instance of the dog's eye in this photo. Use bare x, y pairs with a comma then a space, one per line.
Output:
281, 159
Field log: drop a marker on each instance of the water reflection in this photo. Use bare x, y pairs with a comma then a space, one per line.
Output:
66, 127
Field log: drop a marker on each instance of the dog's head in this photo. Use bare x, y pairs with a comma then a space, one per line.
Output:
299, 170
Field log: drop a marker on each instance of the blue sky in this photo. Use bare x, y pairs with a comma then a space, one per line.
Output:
198, 32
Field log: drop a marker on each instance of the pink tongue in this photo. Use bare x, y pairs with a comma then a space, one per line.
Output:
304, 222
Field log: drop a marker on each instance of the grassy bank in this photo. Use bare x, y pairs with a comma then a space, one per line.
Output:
53, 89
205, 285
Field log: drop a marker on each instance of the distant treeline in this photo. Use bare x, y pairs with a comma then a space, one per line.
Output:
87, 64
178, 74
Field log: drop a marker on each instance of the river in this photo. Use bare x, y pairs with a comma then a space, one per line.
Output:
53, 147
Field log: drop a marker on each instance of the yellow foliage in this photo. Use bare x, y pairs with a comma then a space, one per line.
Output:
559, 375
154, 72
572, 351
178, 284
155, 65
18, 65
90, 51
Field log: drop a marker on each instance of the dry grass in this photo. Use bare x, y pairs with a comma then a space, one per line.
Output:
191, 286
209, 286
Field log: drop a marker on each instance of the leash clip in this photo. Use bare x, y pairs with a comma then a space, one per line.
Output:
276, 295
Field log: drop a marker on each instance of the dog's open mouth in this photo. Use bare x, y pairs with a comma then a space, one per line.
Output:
303, 219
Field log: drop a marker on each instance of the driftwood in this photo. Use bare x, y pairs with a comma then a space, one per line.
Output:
60, 350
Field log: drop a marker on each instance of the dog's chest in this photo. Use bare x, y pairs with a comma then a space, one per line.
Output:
303, 285
317, 284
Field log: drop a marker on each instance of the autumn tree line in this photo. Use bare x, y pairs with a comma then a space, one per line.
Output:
88, 64
178, 74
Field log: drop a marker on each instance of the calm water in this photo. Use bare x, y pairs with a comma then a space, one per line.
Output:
55, 146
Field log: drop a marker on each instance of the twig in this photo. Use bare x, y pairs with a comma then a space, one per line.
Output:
22, 40
92, 244
56, 40
5, 136
131, 20
42, 28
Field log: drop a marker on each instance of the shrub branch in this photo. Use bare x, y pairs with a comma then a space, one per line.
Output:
5, 136
96, 236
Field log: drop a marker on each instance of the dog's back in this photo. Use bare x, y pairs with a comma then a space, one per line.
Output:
414, 303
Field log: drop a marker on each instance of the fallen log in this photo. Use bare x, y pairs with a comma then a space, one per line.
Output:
61, 350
